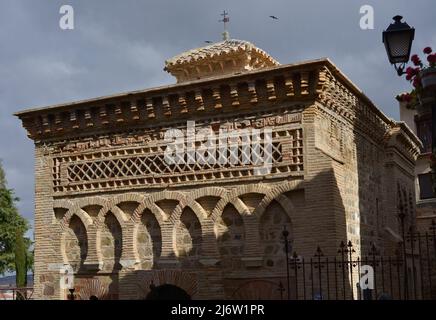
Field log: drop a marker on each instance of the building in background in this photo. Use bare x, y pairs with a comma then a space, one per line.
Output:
425, 197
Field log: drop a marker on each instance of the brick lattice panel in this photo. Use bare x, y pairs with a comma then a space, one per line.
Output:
147, 165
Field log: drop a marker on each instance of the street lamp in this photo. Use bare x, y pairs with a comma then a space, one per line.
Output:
398, 39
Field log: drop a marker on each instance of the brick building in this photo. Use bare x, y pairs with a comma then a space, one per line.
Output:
109, 205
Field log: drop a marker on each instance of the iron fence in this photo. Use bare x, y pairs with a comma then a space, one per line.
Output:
409, 274
12, 293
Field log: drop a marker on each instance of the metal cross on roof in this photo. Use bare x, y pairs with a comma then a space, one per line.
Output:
225, 20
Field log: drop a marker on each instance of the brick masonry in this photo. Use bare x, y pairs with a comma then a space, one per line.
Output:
109, 207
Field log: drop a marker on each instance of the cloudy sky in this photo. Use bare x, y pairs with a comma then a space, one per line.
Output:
120, 46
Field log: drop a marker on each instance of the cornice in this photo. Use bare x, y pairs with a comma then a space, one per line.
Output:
240, 93
300, 83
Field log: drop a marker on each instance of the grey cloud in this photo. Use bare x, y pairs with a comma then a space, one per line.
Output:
122, 45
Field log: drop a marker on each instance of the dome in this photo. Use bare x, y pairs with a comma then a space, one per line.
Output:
226, 57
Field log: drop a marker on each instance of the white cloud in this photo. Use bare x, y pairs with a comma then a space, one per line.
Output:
49, 67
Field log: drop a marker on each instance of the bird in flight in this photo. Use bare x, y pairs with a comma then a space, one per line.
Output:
274, 17
208, 41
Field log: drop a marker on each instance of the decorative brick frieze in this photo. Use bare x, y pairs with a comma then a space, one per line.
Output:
125, 110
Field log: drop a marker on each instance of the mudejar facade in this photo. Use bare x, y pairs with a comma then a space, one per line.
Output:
109, 205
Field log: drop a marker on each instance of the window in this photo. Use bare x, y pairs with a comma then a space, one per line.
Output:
425, 186
424, 133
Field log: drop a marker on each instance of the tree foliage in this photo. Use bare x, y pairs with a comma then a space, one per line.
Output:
20, 260
11, 223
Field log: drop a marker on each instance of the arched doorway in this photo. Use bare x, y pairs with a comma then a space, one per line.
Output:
167, 292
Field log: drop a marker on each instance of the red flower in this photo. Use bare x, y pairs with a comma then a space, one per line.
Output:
416, 82
405, 97
417, 62
427, 50
431, 58
410, 71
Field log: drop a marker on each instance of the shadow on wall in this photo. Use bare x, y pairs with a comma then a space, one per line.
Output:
167, 292
212, 254
311, 224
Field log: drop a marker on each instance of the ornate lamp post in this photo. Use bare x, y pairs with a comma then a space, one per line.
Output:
398, 39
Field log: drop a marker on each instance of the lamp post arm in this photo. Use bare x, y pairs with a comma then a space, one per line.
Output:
400, 69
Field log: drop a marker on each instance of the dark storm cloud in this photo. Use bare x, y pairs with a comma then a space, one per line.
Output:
121, 45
